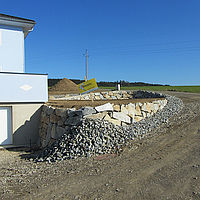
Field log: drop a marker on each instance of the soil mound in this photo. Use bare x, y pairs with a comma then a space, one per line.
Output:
65, 85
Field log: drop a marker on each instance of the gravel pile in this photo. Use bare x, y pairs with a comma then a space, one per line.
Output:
94, 137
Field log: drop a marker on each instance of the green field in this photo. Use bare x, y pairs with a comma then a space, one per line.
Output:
193, 89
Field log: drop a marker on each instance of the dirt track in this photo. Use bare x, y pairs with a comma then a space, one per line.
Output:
163, 165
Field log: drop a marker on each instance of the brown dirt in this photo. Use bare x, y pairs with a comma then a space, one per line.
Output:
64, 86
163, 165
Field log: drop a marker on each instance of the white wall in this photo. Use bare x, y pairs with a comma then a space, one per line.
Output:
23, 87
11, 49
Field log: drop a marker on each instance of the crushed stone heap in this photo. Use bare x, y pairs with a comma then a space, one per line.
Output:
95, 137
65, 85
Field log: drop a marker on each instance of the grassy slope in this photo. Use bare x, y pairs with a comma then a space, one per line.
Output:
194, 89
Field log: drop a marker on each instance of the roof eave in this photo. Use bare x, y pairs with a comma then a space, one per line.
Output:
27, 26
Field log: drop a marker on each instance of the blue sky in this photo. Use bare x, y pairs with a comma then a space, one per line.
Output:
154, 41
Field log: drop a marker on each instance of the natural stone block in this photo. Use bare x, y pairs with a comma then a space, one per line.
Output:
138, 110
50, 111
44, 119
54, 118
59, 131
144, 114
123, 109
105, 107
124, 124
72, 113
60, 122
96, 116
53, 131
138, 118
73, 121
60, 112
117, 108
44, 108
114, 121
88, 111
146, 107
131, 110
97, 98
122, 117
113, 97
87, 98
48, 136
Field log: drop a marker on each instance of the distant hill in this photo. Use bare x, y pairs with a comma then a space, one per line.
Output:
52, 82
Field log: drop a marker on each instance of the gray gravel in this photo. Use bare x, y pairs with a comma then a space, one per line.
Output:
94, 137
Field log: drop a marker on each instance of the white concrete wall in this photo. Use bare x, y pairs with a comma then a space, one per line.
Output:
11, 49
23, 87
25, 123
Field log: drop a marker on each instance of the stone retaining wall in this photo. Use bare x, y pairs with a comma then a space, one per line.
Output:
57, 121
110, 95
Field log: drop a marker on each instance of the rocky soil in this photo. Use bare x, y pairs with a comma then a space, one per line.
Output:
164, 164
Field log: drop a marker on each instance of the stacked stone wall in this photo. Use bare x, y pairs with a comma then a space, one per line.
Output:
109, 95
58, 121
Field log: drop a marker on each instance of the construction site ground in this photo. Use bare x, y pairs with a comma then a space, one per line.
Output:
163, 165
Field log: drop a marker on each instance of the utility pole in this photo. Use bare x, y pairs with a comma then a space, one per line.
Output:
86, 64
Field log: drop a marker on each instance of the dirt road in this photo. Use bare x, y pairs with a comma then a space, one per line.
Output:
163, 165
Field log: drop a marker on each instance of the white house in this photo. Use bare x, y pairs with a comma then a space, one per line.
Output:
22, 94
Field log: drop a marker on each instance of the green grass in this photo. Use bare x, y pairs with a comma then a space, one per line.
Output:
193, 89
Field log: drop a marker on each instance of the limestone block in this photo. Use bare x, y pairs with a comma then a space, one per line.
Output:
96, 116
148, 114
97, 98
131, 110
155, 102
114, 121
151, 106
123, 109
122, 117
148, 107
125, 96
106, 96
144, 114
113, 97
116, 108
118, 96
105, 107
87, 97
124, 124
156, 108
143, 107
88, 111
138, 110
138, 118
101, 96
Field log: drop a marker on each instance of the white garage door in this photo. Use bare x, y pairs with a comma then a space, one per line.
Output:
5, 126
